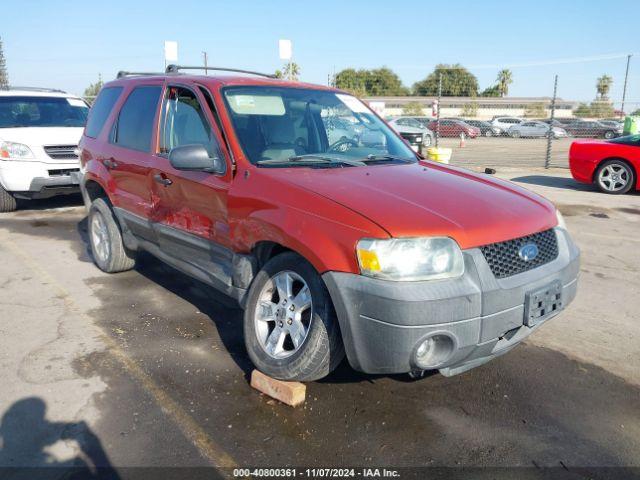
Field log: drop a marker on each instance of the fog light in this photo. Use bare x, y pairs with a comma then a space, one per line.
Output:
434, 351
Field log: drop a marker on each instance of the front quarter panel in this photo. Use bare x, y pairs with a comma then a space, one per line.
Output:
263, 207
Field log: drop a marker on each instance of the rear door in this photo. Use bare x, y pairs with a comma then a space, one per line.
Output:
128, 155
190, 207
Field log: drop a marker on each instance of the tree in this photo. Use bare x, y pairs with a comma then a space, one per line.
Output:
470, 109
503, 80
492, 91
4, 75
377, 82
291, 71
412, 108
91, 92
582, 111
603, 86
457, 81
635, 112
535, 110
602, 109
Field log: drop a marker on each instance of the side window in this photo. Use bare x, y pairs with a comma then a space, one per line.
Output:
184, 122
101, 109
135, 121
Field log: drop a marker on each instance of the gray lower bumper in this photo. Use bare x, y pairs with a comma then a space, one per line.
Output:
42, 187
383, 322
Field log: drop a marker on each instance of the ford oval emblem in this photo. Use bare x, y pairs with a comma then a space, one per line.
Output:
528, 252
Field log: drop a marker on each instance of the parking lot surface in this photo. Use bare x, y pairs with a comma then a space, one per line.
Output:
148, 367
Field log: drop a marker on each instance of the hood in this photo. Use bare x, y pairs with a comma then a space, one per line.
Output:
429, 200
405, 129
39, 136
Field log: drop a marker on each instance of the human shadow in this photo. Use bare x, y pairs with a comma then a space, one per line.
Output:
59, 201
28, 439
565, 183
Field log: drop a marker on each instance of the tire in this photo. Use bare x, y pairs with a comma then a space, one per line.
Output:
514, 134
7, 201
488, 133
107, 248
427, 143
615, 177
609, 134
267, 319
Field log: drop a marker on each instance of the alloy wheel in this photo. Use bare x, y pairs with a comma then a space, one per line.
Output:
100, 237
283, 314
614, 177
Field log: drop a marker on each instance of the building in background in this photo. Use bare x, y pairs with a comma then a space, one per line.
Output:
482, 108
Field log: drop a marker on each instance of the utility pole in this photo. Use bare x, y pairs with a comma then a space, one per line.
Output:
624, 89
205, 57
438, 110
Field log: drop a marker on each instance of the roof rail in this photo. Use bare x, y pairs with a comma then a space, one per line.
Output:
177, 68
123, 73
35, 89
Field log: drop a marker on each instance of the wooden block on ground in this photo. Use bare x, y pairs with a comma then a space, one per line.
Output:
291, 393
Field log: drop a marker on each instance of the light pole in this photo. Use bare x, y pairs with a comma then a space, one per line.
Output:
205, 57
624, 89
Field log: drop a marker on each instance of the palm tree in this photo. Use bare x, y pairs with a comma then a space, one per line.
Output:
603, 86
504, 79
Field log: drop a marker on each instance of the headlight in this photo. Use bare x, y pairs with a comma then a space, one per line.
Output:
561, 222
15, 150
410, 258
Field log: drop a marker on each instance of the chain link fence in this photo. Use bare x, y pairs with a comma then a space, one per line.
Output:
510, 131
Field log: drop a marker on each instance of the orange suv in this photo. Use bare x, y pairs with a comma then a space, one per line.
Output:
331, 243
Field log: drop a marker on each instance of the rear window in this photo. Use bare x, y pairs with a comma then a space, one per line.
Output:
101, 109
135, 121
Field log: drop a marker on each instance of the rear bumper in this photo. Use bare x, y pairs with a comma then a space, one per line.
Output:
384, 322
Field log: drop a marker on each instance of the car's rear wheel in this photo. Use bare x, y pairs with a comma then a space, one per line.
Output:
290, 327
488, 133
7, 201
108, 250
514, 134
609, 134
615, 176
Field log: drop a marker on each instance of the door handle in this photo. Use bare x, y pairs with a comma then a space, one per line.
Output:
110, 163
162, 180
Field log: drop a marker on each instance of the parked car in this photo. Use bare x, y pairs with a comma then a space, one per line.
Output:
592, 129
486, 128
613, 124
450, 127
535, 128
612, 165
505, 123
413, 131
406, 265
39, 133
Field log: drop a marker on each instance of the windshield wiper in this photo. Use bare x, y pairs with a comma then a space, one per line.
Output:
311, 159
386, 157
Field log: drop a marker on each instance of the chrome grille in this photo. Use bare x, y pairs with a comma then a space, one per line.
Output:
60, 152
504, 258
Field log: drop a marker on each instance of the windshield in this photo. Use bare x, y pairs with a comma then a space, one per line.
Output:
42, 112
633, 140
277, 124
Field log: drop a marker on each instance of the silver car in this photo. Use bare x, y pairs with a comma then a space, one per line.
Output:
535, 129
409, 127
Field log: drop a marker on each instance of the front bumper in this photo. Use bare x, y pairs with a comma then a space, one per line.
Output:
383, 322
36, 179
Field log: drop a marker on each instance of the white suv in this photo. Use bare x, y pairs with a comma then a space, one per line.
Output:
505, 123
39, 134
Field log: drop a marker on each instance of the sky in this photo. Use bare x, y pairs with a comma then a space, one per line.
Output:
67, 44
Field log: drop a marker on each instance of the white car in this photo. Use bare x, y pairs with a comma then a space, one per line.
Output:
505, 123
412, 130
39, 134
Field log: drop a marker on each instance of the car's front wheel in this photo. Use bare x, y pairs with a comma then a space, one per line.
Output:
488, 133
108, 250
290, 327
615, 176
7, 201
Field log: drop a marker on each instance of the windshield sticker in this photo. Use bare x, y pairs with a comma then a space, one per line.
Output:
353, 103
257, 104
76, 102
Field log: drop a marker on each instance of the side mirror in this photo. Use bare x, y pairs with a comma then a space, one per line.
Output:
195, 158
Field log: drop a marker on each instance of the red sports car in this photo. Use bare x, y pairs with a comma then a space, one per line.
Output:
613, 165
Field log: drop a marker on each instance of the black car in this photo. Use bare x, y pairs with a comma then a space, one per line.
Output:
592, 129
486, 129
